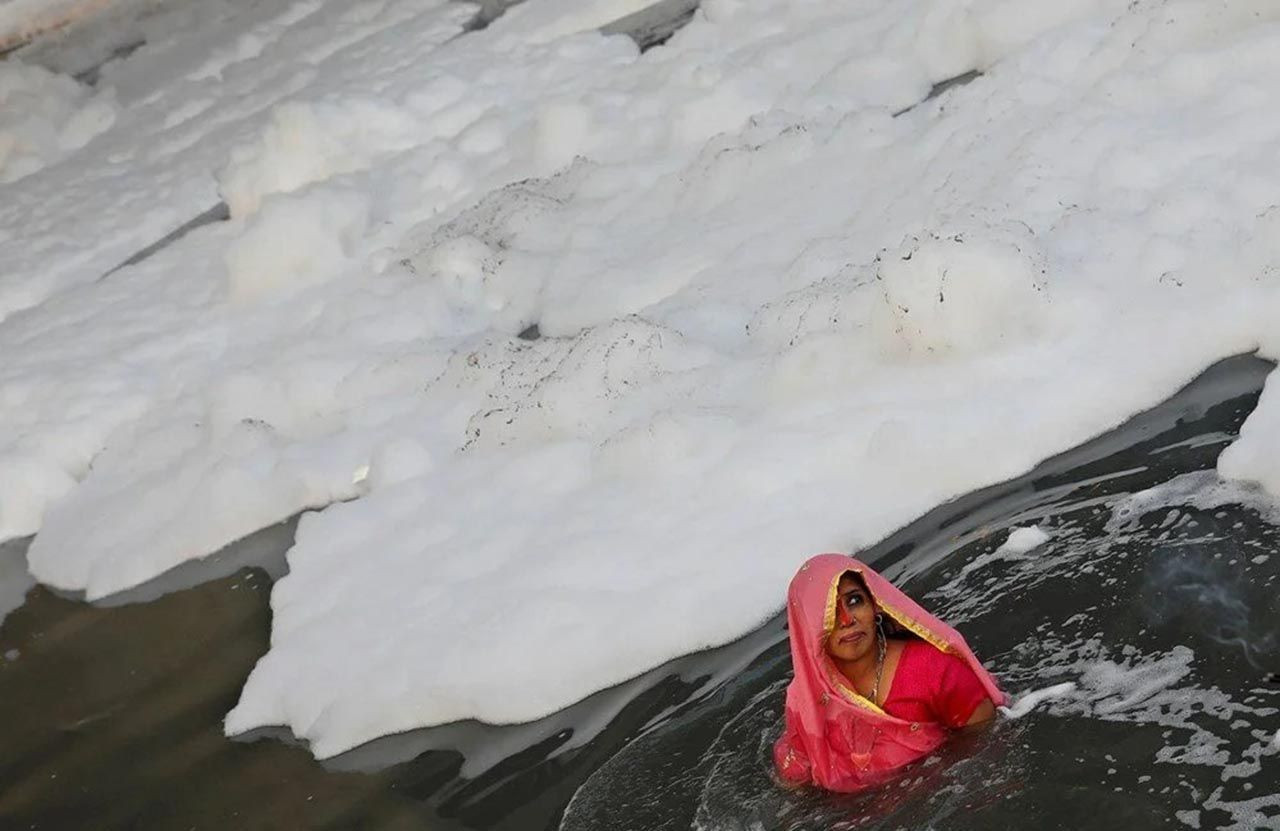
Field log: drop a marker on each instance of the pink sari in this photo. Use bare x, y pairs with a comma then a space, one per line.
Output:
834, 737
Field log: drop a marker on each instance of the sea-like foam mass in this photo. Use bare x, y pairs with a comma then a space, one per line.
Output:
44, 116
784, 299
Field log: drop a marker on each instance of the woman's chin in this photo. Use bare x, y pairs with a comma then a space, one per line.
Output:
850, 650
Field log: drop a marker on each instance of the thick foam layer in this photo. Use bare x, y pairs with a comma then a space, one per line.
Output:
773, 318
21, 20
45, 117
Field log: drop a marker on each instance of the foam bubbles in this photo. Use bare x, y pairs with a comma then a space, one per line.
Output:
1205, 490
21, 20
296, 242
307, 142
28, 485
1022, 540
960, 291
1027, 701
774, 318
44, 117
1255, 456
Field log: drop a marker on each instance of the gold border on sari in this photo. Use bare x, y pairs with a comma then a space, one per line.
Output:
901, 619
852, 696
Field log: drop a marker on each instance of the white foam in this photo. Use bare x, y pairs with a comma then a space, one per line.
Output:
21, 20
45, 117
775, 319
1122, 687
1204, 489
323, 230
311, 142
1015, 548
961, 291
1246, 814
1255, 456
1027, 701
1022, 540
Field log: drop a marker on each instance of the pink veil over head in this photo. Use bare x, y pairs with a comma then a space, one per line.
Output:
849, 741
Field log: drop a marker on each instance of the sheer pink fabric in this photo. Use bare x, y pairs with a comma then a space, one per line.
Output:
834, 737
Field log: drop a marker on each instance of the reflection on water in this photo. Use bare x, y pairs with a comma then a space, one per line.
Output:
1138, 639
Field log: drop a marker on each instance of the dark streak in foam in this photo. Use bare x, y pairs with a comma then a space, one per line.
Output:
651, 26
654, 25
941, 87
90, 76
490, 10
218, 213
958, 81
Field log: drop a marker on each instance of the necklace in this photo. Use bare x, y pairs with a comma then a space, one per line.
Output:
875, 691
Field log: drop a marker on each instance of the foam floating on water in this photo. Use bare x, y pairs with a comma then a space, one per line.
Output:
1027, 701
773, 318
1022, 540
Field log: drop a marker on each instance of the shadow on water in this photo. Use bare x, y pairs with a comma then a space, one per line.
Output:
1151, 613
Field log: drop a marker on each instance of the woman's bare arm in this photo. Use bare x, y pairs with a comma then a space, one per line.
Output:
982, 715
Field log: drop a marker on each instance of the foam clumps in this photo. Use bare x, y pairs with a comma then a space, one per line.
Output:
21, 20
1254, 458
961, 291
45, 116
322, 231
1203, 489
772, 316
1022, 540
1027, 701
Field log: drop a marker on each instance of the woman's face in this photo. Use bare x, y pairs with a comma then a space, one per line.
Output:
854, 635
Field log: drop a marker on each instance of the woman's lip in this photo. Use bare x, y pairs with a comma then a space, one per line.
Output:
852, 636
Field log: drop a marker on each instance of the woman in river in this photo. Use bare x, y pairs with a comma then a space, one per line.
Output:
879, 682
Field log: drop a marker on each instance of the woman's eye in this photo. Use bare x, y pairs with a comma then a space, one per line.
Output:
852, 600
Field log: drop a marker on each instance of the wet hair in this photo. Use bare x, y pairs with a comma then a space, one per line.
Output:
862, 584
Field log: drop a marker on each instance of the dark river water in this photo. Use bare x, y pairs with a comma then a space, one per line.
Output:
1140, 642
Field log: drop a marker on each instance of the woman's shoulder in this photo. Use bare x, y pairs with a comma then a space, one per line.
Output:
916, 667
944, 679
930, 664
926, 651
919, 651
